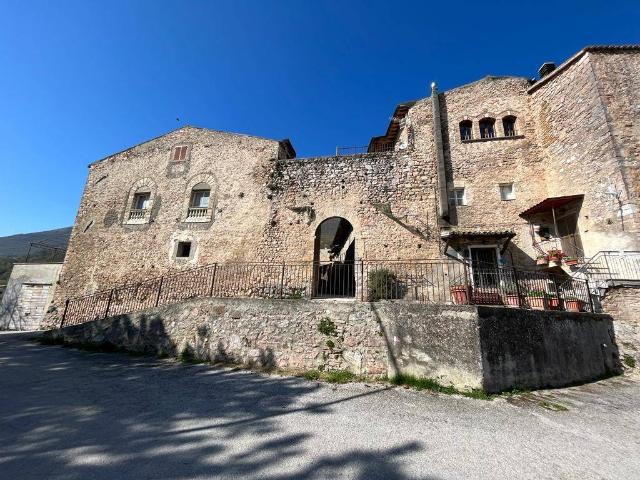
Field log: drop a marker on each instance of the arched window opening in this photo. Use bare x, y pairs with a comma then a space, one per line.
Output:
509, 126
140, 204
334, 259
199, 201
466, 130
487, 128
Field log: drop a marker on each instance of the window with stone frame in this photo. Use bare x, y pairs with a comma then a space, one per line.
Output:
466, 130
183, 250
199, 203
507, 191
487, 128
457, 196
140, 205
509, 126
180, 153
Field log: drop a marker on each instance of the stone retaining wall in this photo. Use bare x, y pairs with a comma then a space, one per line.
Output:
470, 347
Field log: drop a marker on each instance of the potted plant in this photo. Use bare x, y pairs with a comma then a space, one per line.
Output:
555, 256
574, 304
570, 261
542, 260
538, 299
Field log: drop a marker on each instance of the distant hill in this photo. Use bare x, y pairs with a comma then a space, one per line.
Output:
15, 246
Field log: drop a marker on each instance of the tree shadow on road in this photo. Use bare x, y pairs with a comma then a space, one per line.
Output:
69, 414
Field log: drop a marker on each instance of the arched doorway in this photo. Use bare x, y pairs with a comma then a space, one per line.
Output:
334, 259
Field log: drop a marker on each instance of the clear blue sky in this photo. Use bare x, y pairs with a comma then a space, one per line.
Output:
84, 79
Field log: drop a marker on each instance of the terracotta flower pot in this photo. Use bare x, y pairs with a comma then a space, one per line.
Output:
461, 294
554, 303
574, 305
538, 303
513, 300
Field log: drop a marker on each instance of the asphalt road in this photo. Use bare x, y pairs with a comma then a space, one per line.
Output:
69, 414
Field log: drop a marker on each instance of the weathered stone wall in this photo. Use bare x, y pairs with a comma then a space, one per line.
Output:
104, 250
305, 192
575, 129
481, 165
470, 347
623, 304
539, 349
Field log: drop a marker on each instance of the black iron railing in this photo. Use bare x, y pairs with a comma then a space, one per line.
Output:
375, 148
425, 281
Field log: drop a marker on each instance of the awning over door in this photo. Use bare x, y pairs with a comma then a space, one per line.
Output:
550, 203
461, 237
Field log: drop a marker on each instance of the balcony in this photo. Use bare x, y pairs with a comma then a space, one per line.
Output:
198, 214
138, 215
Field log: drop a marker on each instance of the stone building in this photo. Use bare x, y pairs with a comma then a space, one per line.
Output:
499, 171
29, 291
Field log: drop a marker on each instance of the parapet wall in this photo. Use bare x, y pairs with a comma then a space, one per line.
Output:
467, 346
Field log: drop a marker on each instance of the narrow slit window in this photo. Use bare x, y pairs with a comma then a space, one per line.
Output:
487, 128
509, 126
466, 130
184, 250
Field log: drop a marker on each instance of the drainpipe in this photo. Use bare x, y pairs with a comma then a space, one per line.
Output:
443, 198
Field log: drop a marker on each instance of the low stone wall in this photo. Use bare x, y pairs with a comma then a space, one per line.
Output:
470, 347
538, 349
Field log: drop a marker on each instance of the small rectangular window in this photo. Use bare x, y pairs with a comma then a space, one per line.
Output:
184, 250
200, 199
457, 197
507, 192
180, 153
141, 201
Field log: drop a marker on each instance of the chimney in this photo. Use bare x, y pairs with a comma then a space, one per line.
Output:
546, 69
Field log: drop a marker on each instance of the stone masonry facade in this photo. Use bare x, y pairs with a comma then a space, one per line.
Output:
433, 192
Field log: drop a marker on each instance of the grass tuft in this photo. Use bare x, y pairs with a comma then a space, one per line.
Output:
312, 375
340, 376
435, 386
629, 361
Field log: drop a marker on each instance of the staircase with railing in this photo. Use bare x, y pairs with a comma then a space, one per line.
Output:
608, 269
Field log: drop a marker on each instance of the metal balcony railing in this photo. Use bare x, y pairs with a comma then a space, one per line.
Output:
382, 147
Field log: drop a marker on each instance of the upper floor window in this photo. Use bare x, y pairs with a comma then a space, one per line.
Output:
180, 153
487, 128
466, 130
140, 205
457, 197
509, 126
141, 200
507, 192
199, 202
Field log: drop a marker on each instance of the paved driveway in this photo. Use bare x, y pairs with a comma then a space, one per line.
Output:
69, 414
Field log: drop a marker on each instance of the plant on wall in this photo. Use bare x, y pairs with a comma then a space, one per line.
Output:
383, 285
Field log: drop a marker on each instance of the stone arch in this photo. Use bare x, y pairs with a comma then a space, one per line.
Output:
334, 258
